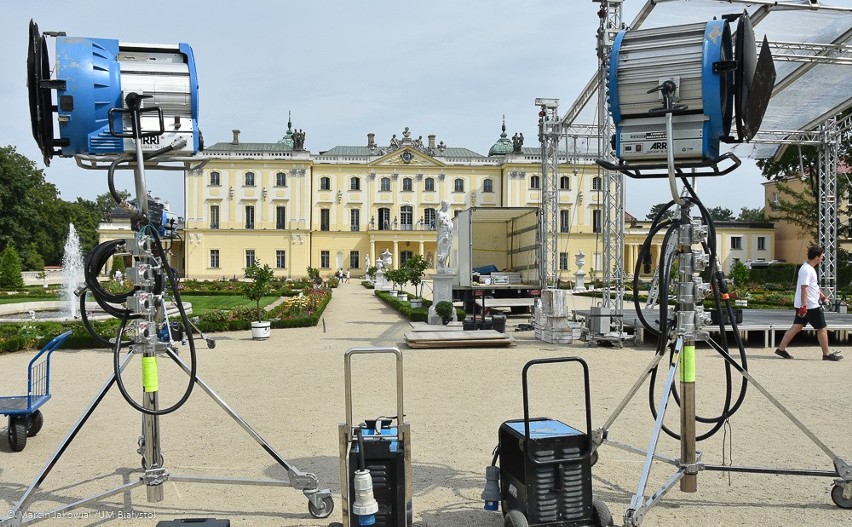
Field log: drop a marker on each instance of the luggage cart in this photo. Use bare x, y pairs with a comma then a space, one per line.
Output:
383, 450
25, 418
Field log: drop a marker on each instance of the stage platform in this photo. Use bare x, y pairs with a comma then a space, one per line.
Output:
769, 322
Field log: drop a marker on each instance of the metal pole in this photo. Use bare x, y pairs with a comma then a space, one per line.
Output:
686, 328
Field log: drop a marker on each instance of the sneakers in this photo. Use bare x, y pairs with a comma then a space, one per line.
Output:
832, 356
784, 355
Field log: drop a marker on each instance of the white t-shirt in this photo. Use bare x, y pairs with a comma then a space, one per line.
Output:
808, 277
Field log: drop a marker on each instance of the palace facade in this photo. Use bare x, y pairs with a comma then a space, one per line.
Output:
342, 208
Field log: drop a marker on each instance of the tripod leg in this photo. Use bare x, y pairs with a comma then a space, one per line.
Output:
638, 499
300, 480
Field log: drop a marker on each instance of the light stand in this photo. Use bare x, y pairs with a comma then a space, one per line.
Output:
145, 312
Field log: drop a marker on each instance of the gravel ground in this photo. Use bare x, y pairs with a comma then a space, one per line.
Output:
290, 390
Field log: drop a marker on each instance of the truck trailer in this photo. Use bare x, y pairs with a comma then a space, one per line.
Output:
496, 254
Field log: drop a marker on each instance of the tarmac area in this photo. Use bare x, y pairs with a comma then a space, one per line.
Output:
290, 389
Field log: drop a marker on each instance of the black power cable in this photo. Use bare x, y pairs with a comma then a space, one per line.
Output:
191, 341
720, 293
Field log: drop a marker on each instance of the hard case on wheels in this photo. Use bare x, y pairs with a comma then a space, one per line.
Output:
546, 467
386, 444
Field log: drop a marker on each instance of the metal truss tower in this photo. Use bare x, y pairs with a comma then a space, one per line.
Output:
549, 133
828, 202
826, 138
612, 220
552, 129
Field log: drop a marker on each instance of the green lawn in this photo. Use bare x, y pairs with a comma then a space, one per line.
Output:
204, 303
200, 303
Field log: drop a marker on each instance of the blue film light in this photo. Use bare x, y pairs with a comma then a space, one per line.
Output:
92, 80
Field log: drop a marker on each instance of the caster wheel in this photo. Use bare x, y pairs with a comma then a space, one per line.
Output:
515, 518
603, 518
17, 433
838, 499
325, 511
594, 458
36, 421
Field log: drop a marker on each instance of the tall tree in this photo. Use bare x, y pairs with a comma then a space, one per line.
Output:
721, 214
10, 269
801, 163
25, 197
657, 208
751, 215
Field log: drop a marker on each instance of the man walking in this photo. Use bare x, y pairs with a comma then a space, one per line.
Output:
808, 310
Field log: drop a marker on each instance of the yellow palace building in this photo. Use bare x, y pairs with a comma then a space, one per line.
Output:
342, 208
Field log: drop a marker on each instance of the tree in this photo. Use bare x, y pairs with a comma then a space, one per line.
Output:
396, 276
25, 199
415, 267
10, 269
800, 163
260, 284
752, 215
669, 214
721, 214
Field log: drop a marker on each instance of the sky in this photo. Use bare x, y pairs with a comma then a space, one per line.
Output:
346, 68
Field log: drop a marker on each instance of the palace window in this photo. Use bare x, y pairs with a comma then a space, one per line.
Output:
535, 182
249, 258
429, 184
214, 179
488, 186
355, 183
214, 258
325, 260
280, 217
280, 179
406, 216
564, 220
384, 219
249, 216
406, 184
458, 185
280, 258
325, 219
249, 179
214, 216
355, 220
325, 183
736, 242
429, 216
385, 184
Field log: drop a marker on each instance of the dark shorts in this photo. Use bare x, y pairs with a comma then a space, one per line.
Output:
814, 317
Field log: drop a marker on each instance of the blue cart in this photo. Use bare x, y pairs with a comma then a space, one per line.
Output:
25, 418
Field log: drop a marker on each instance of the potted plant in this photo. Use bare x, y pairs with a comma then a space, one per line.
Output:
415, 267
394, 276
259, 285
444, 309
401, 278
371, 273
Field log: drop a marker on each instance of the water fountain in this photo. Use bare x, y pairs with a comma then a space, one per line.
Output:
72, 272
67, 308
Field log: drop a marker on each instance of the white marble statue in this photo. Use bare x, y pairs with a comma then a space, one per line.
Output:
445, 237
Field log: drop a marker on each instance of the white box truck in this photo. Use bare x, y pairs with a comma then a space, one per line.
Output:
496, 254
